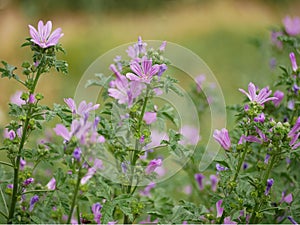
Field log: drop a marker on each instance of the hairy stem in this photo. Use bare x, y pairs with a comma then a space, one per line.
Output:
258, 202
18, 158
74, 196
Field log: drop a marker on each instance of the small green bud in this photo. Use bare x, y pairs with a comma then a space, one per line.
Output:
25, 64
24, 96
39, 96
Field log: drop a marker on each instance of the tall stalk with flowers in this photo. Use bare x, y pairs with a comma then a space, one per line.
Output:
44, 45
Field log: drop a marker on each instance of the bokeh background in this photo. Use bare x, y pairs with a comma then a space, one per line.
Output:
228, 35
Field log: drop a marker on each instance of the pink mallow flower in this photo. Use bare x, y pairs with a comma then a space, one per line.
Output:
279, 95
292, 25
43, 37
143, 72
227, 220
83, 107
123, 90
219, 208
51, 184
274, 39
190, 135
98, 165
96, 208
286, 198
223, 138
147, 189
153, 164
293, 61
294, 134
199, 179
16, 98
150, 117
261, 97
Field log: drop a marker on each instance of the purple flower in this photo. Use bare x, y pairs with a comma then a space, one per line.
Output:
279, 95
296, 89
294, 134
16, 98
260, 118
214, 181
146, 191
219, 208
156, 138
286, 198
77, 153
292, 25
223, 138
96, 208
150, 117
291, 105
28, 181
269, 185
227, 220
199, 178
137, 50
292, 220
10, 134
220, 168
274, 39
266, 161
33, 200
153, 164
249, 138
144, 72
261, 97
43, 37
31, 99
188, 189
293, 61
162, 69
199, 81
51, 184
148, 221
124, 167
163, 46
190, 135
123, 90
22, 164
98, 165
83, 107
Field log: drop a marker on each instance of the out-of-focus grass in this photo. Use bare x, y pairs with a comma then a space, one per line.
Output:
218, 31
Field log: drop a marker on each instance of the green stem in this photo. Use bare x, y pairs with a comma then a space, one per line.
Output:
258, 203
242, 159
17, 162
74, 196
7, 164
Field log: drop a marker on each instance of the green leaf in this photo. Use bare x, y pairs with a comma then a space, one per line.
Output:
107, 212
8, 70
101, 81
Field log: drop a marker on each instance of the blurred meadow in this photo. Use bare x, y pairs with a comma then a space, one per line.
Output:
225, 34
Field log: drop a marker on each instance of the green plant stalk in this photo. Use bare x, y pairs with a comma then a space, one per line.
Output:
135, 155
74, 196
17, 162
241, 160
258, 204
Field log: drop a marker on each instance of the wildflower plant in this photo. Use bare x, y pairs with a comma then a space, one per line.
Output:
104, 162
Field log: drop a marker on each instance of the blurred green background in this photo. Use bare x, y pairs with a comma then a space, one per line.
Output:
221, 32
